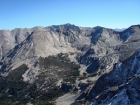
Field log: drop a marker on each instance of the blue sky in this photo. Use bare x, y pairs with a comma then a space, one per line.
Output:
87, 13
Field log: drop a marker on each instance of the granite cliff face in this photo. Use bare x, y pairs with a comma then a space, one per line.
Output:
70, 59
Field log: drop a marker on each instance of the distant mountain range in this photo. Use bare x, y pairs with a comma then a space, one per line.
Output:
119, 30
70, 65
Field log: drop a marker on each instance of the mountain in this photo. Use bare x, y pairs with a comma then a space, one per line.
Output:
120, 86
119, 30
68, 64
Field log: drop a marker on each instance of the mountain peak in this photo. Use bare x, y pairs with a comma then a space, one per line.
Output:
63, 27
97, 27
138, 25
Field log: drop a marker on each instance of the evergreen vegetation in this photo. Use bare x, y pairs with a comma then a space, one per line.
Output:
71, 71
14, 91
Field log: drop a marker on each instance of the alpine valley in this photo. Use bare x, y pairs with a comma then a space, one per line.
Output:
70, 65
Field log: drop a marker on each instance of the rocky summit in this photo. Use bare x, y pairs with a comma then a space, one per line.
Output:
70, 65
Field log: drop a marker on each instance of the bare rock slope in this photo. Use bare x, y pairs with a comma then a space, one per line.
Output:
65, 58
